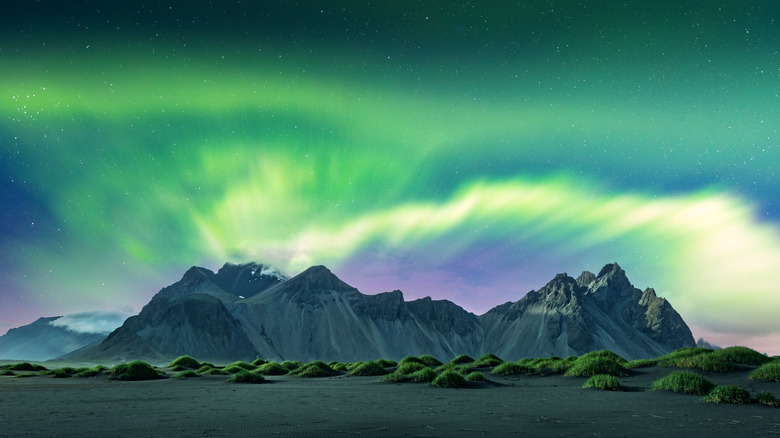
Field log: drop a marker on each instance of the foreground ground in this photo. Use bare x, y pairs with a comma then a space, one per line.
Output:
347, 405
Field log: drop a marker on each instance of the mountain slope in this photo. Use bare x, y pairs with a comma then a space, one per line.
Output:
571, 317
41, 340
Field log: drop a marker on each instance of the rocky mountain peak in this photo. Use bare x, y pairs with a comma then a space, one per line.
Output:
586, 278
318, 278
246, 280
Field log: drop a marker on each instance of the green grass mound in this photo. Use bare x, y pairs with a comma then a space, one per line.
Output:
291, 365
603, 354
641, 363
450, 379
728, 394
425, 375
184, 362
272, 369
768, 399
768, 372
462, 359
387, 363
338, 366
590, 365
135, 370
410, 367
26, 366
233, 369
314, 369
90, 372
488, 360
716, 363
604, 382
475, 376
685, 382
6, 373
554, 364
246, 377
23, 375
394, 377
368, 368
213, 372
60, 373
430, 360
683, 357
514, 369
742, 355
411, 359
243, 365
186, 374
257, 362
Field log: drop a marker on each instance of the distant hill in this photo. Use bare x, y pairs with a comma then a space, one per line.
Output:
249, 311
43, 340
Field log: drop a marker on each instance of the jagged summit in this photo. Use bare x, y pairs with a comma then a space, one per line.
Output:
318, 278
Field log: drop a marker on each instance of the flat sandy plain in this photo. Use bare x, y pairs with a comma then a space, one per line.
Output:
207, 406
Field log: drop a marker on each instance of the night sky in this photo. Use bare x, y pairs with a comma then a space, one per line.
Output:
459, 150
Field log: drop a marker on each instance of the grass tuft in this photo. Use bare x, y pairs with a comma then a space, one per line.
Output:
450, 379
425, 375
604, 382
685, 382
475, 376
246, 377
641, 363
387, 363
742, 355
291, 365
514, 369
430, 360
410, 367
135, 370
186, 374
768, 399
244, 365
488, 360
394, 377
592, 364
212, 372
768, 372
26, 366
728, 394
411, 359
184, 362
257, 362
462, 359
272, 369
368, 368
317, 368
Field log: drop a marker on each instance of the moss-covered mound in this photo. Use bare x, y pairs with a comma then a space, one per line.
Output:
186, 374
728, 394
685, 382
488, 360
291, 365
368, 368
314, 369
257, 362
184, 362
411, 359
604, 382
430, 360
514, 369
450, 379
768, 399
387, 363
425, 375
246, 377
25, 366
462, 359
768, 372
272, 369
135, 370
592, 364
410, 367
475, 376
241, 364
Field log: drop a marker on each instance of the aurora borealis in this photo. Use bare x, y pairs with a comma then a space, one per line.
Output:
459, 150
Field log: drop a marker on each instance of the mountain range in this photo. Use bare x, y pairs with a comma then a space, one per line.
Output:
242, 312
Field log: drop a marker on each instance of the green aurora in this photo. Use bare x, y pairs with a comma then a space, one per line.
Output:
468, 156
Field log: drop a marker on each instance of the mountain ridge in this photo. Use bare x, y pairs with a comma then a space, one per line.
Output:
315, 315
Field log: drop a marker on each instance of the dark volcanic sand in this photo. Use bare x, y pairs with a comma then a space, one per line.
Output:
292, 406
